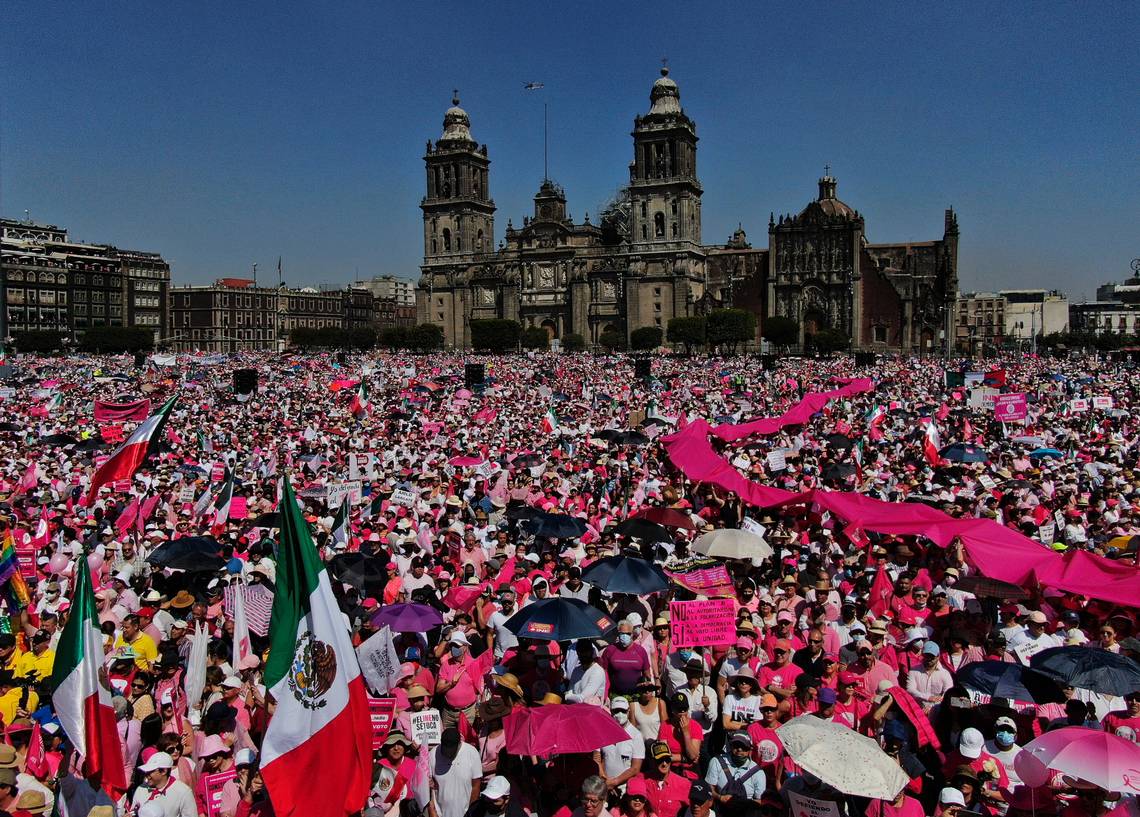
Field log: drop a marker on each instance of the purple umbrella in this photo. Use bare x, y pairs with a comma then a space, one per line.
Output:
407, 618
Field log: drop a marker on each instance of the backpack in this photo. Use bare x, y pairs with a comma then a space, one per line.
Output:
734, 786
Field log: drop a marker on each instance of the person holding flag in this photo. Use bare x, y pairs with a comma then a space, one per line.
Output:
131, 455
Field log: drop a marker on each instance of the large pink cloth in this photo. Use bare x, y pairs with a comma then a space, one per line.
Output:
798, 414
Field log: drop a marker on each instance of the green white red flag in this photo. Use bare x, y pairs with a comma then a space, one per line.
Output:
133, 453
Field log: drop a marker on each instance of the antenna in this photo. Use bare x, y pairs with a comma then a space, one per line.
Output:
545, 173
255, 275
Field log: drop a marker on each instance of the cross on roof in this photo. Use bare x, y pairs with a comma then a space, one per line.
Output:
827, 169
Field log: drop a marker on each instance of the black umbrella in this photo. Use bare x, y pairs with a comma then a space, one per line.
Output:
838, 470
559, 619
6, 426
523, 512
840, 442
606, 434
556, 526
268, 520
195, 554
60, 440
1001, 679
527, 460
626, 574
91, 444
987, 588
644, 530
629, 438
361, 571
1089, 668
964, 452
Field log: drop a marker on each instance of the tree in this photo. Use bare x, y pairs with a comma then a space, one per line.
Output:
37, 341
115, 340
361, 337
827, 341
495, 335
780, 331
689, 332
573, 343
730, 327
425, 337
612, 340
535, 337
647, 337
395, 337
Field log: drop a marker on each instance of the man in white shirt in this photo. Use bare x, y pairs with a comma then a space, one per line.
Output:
623, 760
1035, 634
175, 797
501, 639
1004, 747
456, 776
587, 681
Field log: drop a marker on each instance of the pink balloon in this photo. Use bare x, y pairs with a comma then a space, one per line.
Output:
95, 561
57, 563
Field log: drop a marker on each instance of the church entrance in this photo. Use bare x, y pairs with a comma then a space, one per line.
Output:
813, 322
551, 329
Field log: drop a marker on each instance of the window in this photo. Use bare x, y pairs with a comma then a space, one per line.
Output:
880, 334
656, 307
644, 233
659, 225
657, 292
15, 296
446, 240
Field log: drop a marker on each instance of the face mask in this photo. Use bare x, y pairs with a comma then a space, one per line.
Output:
1004, 739
456, 651
738, 760
622, 717
686, 655
625, 639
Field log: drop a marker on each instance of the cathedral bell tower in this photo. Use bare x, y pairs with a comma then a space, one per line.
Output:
664, 191
459, 213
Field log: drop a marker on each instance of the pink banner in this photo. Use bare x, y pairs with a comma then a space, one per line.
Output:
702, 623
1010, 407
117, 412
798, 414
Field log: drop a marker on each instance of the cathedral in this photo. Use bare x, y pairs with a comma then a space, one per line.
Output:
641, 262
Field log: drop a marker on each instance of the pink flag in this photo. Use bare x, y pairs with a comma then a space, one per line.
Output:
35, 762
28, 480
127, 518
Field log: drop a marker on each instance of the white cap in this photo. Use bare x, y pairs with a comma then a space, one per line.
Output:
458, 637
498, 786
159, 760
232, 682
634, 619
950, 796
245, 757
970, 743
915, 634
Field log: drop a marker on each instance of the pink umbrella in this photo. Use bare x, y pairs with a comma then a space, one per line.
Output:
462, 394
559, 729
463, 461
1100, 758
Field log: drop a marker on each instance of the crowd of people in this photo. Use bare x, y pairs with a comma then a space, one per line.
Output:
420, 490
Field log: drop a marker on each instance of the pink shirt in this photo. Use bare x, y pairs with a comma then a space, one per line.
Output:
469, 681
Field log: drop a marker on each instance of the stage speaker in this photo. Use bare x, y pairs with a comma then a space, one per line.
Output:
642, 367
473, 375
245, 381
140, 360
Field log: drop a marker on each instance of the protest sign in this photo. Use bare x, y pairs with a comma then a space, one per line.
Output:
702, 623
402, 497
485, 470
217, 472
1029, 648
122, 486
341, 492
379, 661
742, 462
239, 507
1047, 532
987, 482
381, 713
1078, 405
704, 576
752, 526
1103, 402
186, 495
1010, 407
213, 784
777, 460
427, 727
804, 806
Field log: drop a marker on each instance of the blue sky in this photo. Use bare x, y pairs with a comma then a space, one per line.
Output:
227, 134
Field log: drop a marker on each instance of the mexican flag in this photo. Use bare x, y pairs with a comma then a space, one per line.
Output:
55, 401
133, 453
222, 502
316, 758
549, 421
360, 399
81, 699
931, 443
340, 523
876, 415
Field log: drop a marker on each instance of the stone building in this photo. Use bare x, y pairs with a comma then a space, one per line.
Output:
642, 260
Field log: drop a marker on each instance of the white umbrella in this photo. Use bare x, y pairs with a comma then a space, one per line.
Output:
842, 758
730, 543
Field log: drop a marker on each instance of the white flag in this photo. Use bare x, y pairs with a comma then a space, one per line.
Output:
379, 662
195, 682
242, 646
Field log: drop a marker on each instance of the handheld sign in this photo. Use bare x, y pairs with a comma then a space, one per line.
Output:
702, 623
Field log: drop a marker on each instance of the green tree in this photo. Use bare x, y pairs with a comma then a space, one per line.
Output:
646, 337
395, 337
37, 341
689, 332
780, 331
827, 341
612, 340
535, 337
730, 327
116, 339
425, 337
361, 337
495, 335
573, 343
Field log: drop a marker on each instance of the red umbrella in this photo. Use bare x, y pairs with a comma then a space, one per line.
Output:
463, 461
561, 729
670, 517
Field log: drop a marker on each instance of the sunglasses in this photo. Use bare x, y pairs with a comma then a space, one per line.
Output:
815, 641
779, 652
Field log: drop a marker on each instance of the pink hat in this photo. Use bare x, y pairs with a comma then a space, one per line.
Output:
213, 745
744, 643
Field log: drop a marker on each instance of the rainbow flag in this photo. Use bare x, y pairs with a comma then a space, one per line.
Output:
13, 589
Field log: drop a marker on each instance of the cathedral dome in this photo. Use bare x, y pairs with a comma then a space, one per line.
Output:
665, 96
456, 123
828, 203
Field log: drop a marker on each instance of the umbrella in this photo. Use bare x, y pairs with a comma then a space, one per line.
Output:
606, 434
841, 757
1125, 543
839, 470
1046, 452
528, 460
358, 570
644, 530
629, 438
1092, 755
91, 444
556, 525
1030, 440
840, 442
60, 440
964, 452
626, 574
465, 461
987, 588
1001, 679
560, 397
6, 426
523, 512
399, 415
669, 517
194, 554
272, 519
730, 543
560, 729
407, 618
1089, 668
656, 421
559, 619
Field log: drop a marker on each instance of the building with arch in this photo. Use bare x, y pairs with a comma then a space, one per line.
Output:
641, 261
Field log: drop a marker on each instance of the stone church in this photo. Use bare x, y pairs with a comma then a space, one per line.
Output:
641, 262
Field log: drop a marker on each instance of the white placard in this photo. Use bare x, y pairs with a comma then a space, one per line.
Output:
340, 492
1059, 518
1102, 402
186, 495
1078, 406
777, 460
1029, 648
752, 526
804, 806
427, 727
402, 497
439, 441
987, 482
742, 462
485, 470
1046, 533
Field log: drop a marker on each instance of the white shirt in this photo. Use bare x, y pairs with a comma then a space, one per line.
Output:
504, 638
177, 799
454, 779
587, 684
618, 757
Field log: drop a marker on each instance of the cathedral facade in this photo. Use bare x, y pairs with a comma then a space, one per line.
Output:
641, 261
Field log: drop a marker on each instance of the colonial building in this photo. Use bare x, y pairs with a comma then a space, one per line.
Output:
642, 261
49, 282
